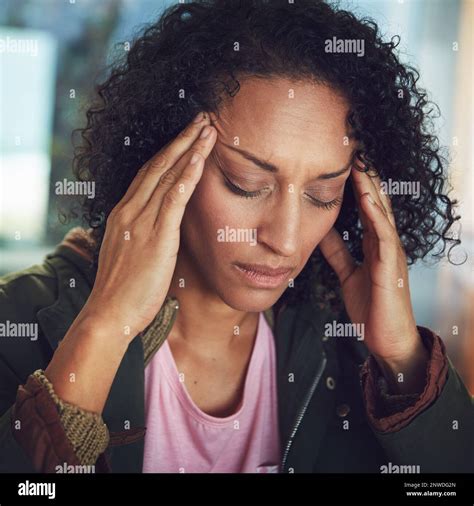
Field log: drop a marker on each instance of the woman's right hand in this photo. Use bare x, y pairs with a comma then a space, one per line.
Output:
141, 241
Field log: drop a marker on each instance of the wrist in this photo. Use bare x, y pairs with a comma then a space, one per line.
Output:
405, 371
94, 327
85, 363
409, 350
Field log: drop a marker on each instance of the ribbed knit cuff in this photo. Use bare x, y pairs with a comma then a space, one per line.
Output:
85, 430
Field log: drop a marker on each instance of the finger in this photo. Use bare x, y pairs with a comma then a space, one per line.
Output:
148, 176
386, 235
200, 150
356, 187
134, 184
338, 256
174, 202
364, 184
385, 200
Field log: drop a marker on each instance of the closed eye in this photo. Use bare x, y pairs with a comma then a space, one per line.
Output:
237, 190
255, 194
325, 205
240, 191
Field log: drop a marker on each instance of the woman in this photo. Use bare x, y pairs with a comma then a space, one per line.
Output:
240, 301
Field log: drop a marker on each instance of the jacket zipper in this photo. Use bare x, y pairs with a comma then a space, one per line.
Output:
302, 411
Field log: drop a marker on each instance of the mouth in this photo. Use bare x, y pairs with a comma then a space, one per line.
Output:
263, 276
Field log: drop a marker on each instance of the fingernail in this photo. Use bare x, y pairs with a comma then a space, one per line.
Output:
205, 133
195, 158
199, 117
370, 199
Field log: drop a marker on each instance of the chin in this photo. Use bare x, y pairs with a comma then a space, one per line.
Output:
250, 300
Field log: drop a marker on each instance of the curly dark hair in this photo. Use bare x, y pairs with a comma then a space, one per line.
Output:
191, 49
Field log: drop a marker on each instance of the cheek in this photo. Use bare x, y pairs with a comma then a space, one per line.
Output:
210, 209
316, 225
212, 205
327, 221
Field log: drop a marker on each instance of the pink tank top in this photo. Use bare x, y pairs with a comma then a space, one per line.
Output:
180, 438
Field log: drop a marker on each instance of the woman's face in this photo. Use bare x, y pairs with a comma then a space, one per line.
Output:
270, 191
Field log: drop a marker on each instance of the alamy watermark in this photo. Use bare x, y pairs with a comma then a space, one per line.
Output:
12, 329
399, 469
66, 468
335, 45
229, 234
391, 187
335, 329
66, 187
19, 46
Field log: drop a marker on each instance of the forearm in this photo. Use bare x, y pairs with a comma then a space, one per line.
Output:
56, 417
85, 363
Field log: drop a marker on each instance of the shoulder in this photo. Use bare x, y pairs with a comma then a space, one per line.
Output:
24, 292
37, 306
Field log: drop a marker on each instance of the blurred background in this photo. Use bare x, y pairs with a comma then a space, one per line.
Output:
52, 52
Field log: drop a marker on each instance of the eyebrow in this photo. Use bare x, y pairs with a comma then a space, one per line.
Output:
270, 167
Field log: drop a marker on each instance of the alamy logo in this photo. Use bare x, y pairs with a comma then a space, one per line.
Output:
19, 46
66, 468
336, 45
391, 187
229, 234
12, 329
27, 488
66, 187
399, 469
335, 329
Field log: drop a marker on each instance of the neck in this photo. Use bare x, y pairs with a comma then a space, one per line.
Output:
203, 318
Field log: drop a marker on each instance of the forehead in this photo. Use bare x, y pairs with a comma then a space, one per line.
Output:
287, 122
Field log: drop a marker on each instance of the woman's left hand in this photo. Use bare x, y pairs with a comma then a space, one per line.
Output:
376, 292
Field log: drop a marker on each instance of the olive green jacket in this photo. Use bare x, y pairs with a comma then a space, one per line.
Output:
335, 414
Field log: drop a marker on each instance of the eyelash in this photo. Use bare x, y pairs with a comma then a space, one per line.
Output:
326, 205
239, 191
253, 195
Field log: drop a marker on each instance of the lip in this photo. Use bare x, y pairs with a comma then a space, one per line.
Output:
263, 276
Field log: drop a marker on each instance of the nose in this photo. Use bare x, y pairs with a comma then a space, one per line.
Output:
280, 228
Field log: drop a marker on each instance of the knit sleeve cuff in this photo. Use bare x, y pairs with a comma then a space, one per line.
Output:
86, 431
